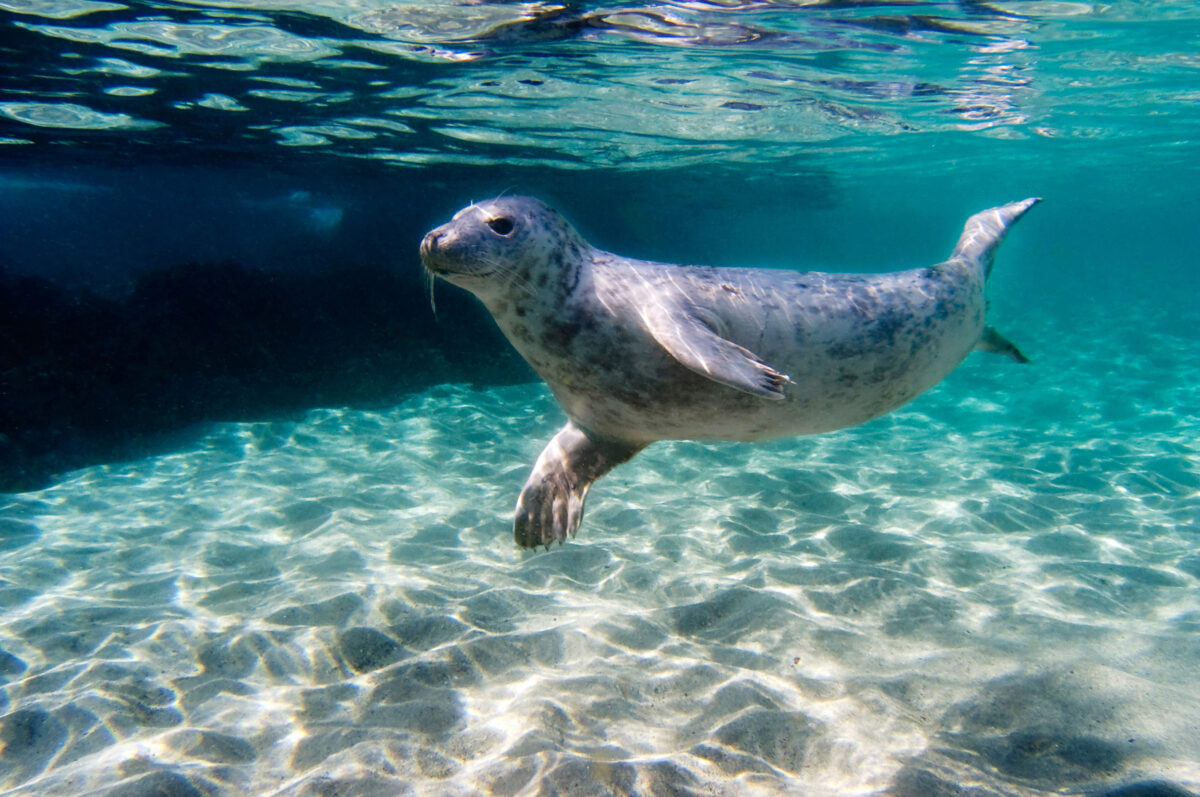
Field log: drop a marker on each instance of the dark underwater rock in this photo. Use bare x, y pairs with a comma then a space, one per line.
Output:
86, 379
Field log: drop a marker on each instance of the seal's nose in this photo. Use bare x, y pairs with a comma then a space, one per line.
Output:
429, 244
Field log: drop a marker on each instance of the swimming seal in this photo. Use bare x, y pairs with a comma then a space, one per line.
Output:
637, 351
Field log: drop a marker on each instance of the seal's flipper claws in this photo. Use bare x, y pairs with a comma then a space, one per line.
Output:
551, 504
692, 340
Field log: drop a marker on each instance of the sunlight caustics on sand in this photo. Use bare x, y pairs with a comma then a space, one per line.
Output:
996, 585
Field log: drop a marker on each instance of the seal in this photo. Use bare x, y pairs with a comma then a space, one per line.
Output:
637, 351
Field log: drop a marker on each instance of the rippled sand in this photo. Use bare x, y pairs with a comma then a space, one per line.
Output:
994, 589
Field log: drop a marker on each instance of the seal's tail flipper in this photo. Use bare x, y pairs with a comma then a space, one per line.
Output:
551, 503
993, 341
984, 231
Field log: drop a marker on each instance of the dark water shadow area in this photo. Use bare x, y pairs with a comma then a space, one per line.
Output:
136, 305
87, 379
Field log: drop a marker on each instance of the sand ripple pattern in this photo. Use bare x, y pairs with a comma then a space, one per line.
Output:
976, 590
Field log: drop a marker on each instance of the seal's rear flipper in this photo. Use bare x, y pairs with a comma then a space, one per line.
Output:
984, 232
996, 343
551, 503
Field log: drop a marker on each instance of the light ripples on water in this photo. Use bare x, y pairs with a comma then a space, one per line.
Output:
573, 85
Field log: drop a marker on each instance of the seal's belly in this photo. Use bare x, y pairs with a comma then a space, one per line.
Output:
828, 394
846, 367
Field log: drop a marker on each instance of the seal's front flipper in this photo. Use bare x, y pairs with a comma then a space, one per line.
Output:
996, 343
551, 503
696, 342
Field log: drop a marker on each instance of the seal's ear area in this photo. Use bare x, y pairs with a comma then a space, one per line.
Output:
551, 503
698, 347
996, 343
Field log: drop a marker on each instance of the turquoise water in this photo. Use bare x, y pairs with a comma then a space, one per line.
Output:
994, 590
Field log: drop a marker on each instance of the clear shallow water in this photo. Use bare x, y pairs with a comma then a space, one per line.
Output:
991, 591
994, 586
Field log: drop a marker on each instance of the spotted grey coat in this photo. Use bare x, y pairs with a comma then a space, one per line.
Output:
637, 351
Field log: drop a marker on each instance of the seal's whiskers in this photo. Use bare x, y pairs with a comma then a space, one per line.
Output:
518, 279
431, 278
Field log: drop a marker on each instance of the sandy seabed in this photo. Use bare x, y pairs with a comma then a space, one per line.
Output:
993, 591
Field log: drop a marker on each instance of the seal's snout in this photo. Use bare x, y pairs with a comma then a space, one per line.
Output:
431, 248
445, 252
429, 244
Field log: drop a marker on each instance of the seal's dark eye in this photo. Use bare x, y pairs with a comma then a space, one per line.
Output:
501, 225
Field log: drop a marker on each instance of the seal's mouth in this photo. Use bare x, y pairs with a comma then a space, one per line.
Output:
442, 258
439, 259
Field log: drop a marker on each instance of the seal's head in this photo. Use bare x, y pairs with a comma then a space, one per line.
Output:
492, 246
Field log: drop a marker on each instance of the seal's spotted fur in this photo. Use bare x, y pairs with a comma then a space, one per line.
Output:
637, 351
